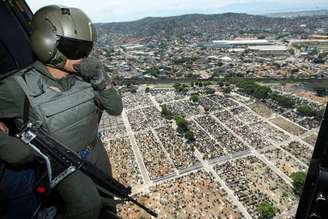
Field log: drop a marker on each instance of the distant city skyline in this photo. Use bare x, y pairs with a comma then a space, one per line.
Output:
127, 10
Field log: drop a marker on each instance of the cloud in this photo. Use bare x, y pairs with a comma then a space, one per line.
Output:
125, 10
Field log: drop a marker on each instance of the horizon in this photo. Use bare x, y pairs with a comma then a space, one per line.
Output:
125, 11
228, 12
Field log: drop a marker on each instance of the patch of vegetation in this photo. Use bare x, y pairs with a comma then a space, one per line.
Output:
189, 135
181, 88
291, 51
227, 90
147, 90
154, 71
166, 113
209, 90
182, 123
282, 100
194, 98
183, 128
250, 87
266, 210
298, 181
306, 110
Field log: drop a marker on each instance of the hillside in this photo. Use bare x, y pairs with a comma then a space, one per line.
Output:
215, 26
299, 13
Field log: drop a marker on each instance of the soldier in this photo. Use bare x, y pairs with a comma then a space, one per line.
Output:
67, 93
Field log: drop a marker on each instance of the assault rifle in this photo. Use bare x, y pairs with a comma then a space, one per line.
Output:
51, 150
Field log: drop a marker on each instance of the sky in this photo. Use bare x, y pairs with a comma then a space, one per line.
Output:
129, 10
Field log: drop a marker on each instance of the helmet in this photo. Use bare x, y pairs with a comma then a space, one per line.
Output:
60, 33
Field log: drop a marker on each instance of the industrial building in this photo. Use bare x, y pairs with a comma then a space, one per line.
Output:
239, 43
272, 50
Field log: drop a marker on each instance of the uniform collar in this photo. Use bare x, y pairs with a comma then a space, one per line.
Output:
42, 68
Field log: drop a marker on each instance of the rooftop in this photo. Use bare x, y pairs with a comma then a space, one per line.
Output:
234, 42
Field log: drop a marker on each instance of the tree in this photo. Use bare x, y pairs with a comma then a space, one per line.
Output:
306, 110
221, 83
194, 98
181, 123
291, 51
190, 136
180, 131
282, 100
210, 90
320, 58
226, 90
177, 86
147, 90
166, 113
180, 87
262, 92
298, 181
266, 210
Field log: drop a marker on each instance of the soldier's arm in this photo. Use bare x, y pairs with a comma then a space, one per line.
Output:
11, 99
107, 97
110, 100
12, 150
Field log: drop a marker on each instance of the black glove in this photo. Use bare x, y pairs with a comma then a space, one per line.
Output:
13, 151
91, 70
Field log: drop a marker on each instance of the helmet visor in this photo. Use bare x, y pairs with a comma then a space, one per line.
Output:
73, 48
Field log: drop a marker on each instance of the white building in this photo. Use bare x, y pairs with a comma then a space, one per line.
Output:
133, 46
239, 43
272, 50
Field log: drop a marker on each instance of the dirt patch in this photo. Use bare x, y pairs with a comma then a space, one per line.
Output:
312, 96
261, 109
288, 126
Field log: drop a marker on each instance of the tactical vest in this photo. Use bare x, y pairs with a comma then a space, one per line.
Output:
70, 116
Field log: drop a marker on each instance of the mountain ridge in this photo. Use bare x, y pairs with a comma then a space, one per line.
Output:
226, 25
301, 13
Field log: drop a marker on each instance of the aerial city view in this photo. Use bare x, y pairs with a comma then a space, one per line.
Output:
222, 106
221, 112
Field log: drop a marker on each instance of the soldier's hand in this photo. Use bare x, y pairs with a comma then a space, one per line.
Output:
92, 71
13, 151
69, 65
4, 128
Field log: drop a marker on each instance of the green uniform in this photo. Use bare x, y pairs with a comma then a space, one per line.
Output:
78, 191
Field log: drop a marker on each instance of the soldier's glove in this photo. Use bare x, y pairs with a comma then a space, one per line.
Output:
92, 71
13, 151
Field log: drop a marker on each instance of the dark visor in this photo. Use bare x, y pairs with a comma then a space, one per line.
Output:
73, 48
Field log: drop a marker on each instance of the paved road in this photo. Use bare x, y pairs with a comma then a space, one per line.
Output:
137, 154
